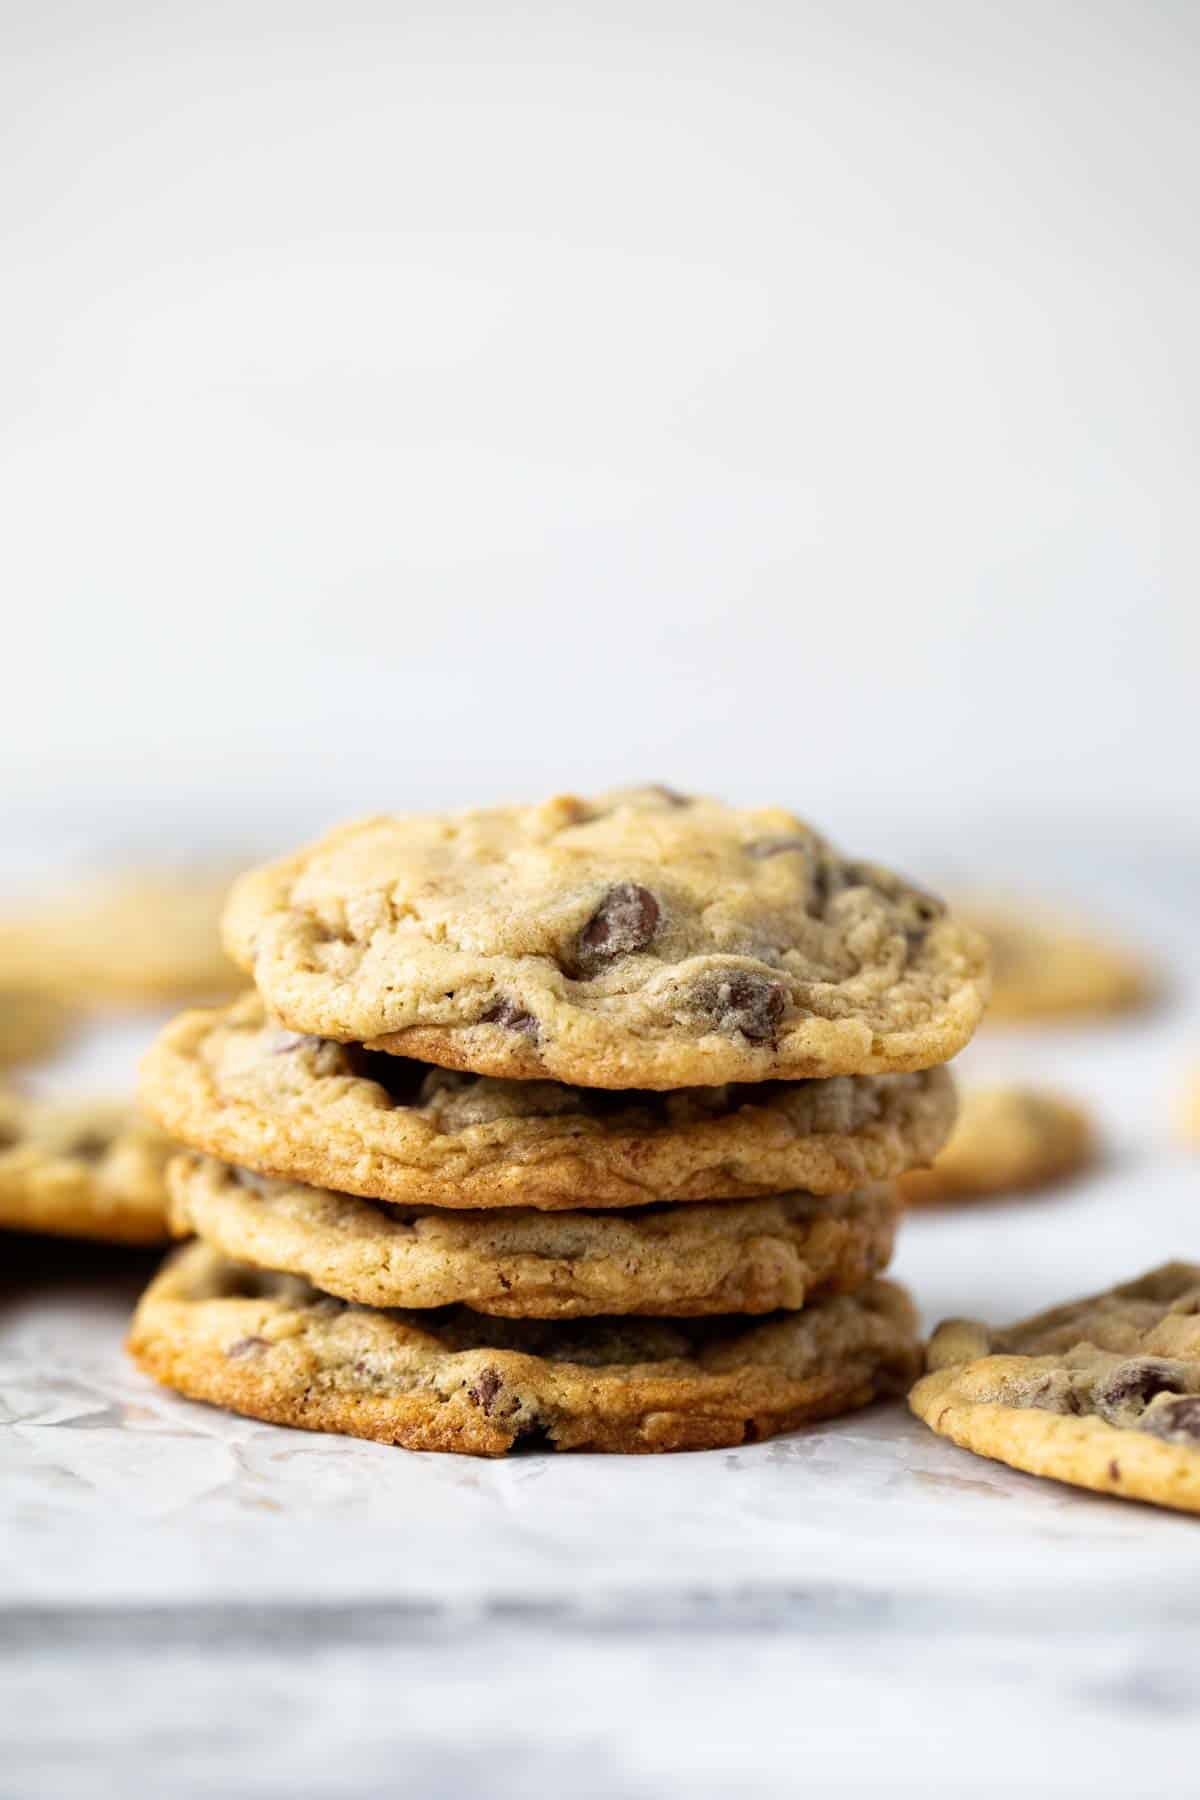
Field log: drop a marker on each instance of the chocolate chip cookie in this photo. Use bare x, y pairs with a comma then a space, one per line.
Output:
451, 1379
128, 939
88, 1169
1049, 968
642, 939
745, 1256
362, 1122
1007, 1140
1103, 1393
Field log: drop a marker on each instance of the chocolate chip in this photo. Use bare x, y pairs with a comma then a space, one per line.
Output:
1140, 1379
247, 1346
1114, 1470
485, 1389
738, 1000
669, 796
761, 848
625, 921
1177, 1419
512, 1017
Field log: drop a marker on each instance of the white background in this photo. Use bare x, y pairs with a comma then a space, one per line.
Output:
414, 403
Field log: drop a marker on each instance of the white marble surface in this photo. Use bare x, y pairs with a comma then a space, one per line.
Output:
209, 1606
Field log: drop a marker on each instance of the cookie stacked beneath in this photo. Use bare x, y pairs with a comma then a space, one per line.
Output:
575, 1124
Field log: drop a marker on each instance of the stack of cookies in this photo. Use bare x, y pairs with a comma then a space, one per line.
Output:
576, 1124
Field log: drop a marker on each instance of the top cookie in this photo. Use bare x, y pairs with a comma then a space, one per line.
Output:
637, 940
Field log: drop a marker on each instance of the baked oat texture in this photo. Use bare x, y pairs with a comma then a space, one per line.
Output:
638, 940
731, 1256
1007, 1140
271, 1347
126, 939
362, 1122
1045, 967
87, 1169
1103, 1393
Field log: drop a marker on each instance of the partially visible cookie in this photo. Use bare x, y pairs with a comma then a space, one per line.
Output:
1007, 1140
1189, 1111
362, 1122
1103, 1393
271, 1347
641, 939
133, 938
89, 1169
1048, 968
733, 1256
32, 1024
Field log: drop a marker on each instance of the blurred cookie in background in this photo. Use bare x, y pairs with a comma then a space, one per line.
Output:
1046, 966
82, 1169
1008, 1140
133, 938
32, 1024
1188, 1111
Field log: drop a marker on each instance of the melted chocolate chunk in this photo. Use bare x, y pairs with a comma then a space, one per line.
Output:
513, 1018
741, 1001
484, 1390
1140, 1379
625, 921
1177, 1419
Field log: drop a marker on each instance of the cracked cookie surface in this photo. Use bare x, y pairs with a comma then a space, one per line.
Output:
637, 940
242, 1088
89, 1169
453, 1380
735, 1256
1103, 1393
1007, 1140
